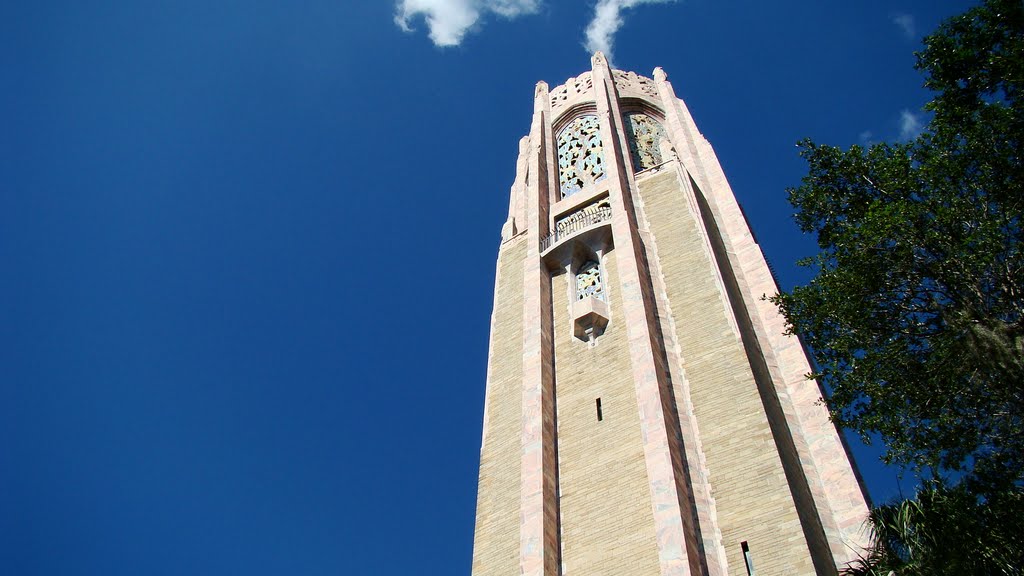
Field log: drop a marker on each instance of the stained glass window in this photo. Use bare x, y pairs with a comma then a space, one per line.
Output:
588, 281
580, 155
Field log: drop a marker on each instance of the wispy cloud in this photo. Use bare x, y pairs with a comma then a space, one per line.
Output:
449, 21
606, 22
867, 138
910, 125
906, 24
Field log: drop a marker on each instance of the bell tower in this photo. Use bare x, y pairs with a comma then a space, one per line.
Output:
645, 413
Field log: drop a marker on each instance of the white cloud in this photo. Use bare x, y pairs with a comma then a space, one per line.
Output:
910, 125
450, 20
906, 23
513, 8
607, 21
866, 138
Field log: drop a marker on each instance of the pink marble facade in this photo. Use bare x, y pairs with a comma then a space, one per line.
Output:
680, 484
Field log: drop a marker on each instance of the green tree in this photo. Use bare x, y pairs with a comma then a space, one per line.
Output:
915, 314
945, 531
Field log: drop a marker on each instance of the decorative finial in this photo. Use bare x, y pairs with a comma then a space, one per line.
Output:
598, 58
660, 75
540, 97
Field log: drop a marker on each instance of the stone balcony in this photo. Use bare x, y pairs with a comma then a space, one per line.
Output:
576, 224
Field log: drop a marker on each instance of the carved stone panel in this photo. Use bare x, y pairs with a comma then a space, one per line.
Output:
645, 136
632, 82
571, 90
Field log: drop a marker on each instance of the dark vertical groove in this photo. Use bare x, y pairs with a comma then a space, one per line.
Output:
810, 522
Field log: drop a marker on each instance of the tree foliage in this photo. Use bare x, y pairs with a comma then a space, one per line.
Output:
916, 314
945, 531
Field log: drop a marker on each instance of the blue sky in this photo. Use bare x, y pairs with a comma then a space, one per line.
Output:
248, 251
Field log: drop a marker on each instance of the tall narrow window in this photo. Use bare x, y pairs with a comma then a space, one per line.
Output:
580, 155
588, 281
590, 302
600, 415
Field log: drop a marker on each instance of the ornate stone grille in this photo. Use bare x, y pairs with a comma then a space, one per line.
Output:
573, 89
588, 281
631, 82
645, 135
580, 155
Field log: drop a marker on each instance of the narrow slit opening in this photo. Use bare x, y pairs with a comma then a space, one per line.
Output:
600, 415
748, 559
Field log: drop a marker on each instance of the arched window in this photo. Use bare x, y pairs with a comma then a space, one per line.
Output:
580, 155
645, 136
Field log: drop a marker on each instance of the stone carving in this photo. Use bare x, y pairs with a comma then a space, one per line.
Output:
558, 97
580, 155
645, 135
631, 82
588, 281
573, 87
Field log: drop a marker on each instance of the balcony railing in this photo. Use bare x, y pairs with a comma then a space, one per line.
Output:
573, 224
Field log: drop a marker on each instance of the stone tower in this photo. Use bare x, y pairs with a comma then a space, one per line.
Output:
645, 414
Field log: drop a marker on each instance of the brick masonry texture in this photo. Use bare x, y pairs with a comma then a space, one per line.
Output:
752, 497
496, 548
607, 522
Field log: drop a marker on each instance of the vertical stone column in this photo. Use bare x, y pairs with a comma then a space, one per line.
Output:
693, 470
538, 533
822, 470
677, 547
681, 129
516, 222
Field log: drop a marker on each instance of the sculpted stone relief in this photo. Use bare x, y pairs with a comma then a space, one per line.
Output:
572, 87
580, 155
630, 81
588, 281
645, 135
